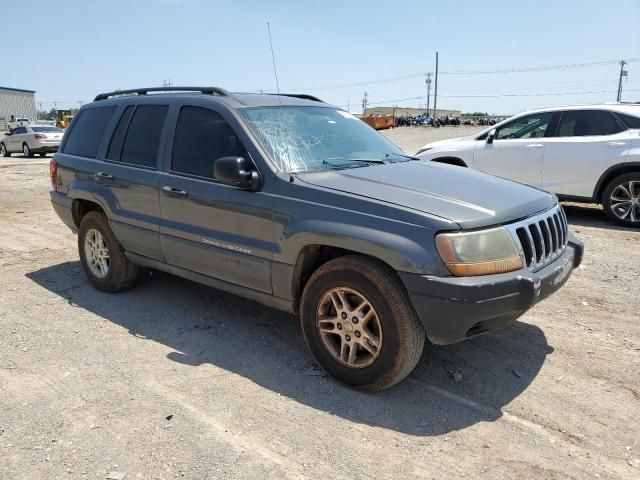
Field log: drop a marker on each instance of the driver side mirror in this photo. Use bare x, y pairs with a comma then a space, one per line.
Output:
237, 172
491, 136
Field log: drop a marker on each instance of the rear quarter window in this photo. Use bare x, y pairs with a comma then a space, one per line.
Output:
630, 121
87, 132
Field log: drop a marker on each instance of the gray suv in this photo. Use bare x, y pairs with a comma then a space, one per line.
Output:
301, 206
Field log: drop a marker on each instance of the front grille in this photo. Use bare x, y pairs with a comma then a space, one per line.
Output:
542, 238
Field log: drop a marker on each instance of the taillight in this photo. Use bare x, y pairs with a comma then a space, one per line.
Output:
53, 174
39, 136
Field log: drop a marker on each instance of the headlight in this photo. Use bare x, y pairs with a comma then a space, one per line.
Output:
483, 252
423, 149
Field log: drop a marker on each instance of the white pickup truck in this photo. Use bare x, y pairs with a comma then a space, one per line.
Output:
17, 122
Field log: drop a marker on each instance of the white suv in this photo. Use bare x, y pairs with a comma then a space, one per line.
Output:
585, 153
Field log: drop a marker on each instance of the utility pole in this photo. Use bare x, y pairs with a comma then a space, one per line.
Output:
435, 94
364, 103
427, 80
623, 73
167, 83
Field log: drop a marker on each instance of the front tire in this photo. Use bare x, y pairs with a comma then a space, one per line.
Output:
3, 150
102, 256
621, 200
359, 323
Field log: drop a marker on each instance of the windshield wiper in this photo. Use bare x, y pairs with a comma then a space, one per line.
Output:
401, 155
326, 161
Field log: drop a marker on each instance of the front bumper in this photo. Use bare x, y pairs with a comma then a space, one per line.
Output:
453, 309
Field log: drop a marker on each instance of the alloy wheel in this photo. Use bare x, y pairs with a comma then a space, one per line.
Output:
96, 253
349, 327
625, 201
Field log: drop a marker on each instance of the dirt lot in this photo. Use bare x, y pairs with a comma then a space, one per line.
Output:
176, 380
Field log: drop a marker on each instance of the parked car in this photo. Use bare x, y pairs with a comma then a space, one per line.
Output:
301, 206
31, 139
585, 153
17, 122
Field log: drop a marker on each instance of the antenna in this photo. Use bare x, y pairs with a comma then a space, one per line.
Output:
273, 58
275, 73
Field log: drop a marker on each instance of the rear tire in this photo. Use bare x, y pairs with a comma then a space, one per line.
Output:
3, 150
359, 302
42, 154
26, 151
98, 246
621, 200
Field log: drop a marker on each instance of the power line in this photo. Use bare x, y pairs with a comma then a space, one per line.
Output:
543, 68
382, 102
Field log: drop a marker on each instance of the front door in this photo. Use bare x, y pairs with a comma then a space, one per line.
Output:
208, 227
16, 138
517, 151
586, 144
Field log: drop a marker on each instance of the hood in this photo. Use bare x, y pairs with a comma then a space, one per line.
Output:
444, 143
469, 198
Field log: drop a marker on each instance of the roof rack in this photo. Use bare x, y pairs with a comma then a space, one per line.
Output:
303, 96
143, 91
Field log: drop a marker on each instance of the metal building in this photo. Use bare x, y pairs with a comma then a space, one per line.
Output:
17, 102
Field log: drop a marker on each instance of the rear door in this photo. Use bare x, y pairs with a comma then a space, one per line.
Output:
208, 227
518, 149
131, 175
586, 143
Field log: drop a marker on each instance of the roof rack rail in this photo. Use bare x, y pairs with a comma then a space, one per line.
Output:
143, 91
303, 96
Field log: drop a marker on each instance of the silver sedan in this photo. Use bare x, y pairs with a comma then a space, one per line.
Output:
31, 139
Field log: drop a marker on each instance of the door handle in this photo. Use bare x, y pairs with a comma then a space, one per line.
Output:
617, 144
174, 191
535, 145
103, 176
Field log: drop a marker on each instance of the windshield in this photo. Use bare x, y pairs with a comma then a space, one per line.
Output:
46, 129
300, 139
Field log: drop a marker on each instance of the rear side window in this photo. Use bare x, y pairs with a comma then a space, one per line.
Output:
142, 139
88, 129
582, 123
202, 136
629, 120
115, 146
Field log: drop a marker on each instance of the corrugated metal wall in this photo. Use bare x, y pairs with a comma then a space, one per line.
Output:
20, 104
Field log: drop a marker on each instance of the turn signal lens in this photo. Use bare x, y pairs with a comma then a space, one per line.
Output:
483, 252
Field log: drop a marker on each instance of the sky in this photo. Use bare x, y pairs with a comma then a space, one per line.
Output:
337, 50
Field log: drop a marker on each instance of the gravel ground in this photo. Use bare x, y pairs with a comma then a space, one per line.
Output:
175, 380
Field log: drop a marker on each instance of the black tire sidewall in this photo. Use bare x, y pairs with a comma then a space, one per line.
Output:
387, 359
99, 222
606, 198
29, 153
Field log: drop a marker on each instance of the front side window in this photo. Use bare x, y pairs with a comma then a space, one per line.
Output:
202, 136
19, 130
529, 126
312, 138
142, 140
583, 123
88, 129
